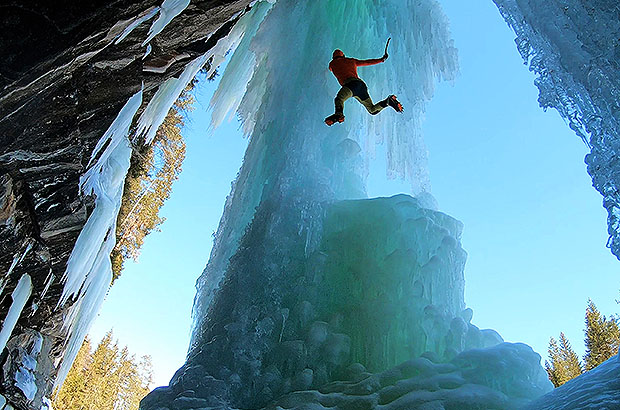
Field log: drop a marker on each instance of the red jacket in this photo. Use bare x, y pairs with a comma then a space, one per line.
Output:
345, 68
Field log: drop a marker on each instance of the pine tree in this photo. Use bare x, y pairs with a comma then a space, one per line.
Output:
148, 185
564, 364
602, 337
106, 379
103, 375
138, 384
73, 391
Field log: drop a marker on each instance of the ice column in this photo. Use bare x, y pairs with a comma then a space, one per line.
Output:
292, 155
309, 281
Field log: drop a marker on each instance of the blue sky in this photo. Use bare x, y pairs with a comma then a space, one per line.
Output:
535, 229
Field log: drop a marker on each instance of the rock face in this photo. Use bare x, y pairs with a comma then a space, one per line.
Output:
63, 81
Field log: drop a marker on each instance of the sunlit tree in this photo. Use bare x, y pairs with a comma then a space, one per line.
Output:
107, 379
154, 167
564, 363
602, 337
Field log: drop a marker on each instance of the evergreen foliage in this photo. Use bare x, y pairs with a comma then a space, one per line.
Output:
106, 379
602, 337
153, 170
564, 364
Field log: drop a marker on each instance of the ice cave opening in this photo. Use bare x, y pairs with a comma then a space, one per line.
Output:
325, 291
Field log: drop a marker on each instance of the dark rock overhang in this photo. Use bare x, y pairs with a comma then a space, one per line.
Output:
63, 81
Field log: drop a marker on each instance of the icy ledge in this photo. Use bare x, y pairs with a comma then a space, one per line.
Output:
572, 46
504, 377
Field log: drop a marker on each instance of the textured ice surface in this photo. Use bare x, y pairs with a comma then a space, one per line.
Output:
307, 276
502, 377
382, 285
290, 90
20, 296
573, 46
597, 389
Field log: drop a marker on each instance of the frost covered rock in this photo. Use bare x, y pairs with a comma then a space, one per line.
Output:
20, 367
573, 48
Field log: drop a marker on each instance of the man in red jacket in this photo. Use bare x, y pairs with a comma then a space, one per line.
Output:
345, 70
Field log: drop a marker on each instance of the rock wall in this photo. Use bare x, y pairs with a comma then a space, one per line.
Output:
63, 80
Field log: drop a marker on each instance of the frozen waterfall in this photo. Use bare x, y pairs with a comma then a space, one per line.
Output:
290, 90
316, 296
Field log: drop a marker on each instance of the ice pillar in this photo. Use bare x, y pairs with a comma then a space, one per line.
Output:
307, 276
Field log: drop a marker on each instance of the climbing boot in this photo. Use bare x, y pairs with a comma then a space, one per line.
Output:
394, 103
334, 118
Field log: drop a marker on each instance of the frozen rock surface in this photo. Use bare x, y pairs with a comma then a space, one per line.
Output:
573, 46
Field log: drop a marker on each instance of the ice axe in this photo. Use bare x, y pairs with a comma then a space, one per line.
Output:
386, 47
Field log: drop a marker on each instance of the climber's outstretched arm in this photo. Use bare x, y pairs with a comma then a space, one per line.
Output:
372, 61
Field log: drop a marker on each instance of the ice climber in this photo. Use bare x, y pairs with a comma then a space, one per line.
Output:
345, 71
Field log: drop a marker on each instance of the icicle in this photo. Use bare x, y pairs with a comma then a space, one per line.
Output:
46, 404
89, 270
20, 296
166, 95
227, 97
84, 311
169, 9
145, 16
104, 179
149, 48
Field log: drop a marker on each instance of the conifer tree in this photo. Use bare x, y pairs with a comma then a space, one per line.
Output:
564, 364
602, 337
103, 377
73, 391
106, 379
148, 185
